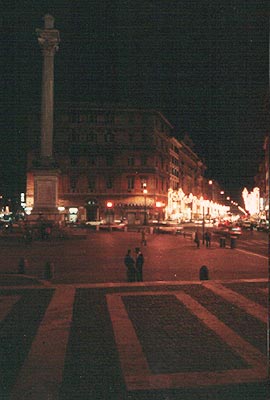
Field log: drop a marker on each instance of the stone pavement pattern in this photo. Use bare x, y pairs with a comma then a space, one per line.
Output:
183, 340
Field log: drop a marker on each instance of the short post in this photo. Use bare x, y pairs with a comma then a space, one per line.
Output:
233, 242
204, 273
222, 242
49, 270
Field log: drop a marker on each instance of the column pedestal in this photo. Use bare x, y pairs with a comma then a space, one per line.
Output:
45, 195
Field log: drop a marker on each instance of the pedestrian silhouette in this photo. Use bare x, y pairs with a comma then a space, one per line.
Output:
139, 264
207, 237
143, 233
197, 239
130, 266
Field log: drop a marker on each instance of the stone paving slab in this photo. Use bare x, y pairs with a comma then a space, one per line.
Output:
156, 341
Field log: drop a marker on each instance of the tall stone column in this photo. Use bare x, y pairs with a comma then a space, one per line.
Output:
45, 174
49, 40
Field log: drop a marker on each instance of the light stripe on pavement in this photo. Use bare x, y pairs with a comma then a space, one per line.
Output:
41, 375
252, 254
233, 297
136, 371
6, 304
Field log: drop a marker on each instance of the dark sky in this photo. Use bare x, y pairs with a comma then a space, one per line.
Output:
204, 64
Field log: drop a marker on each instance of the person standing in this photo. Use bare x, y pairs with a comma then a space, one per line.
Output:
197, 239
139, 264
207, 237
130, 266
143, 233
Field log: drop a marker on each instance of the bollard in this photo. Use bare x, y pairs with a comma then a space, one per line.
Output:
222, 242
49, 270
23, 264
204, 273
233, 242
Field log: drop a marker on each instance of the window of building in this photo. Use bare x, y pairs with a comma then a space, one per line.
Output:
92, 137
109, 160
161, 163
92, 118
146, 119
131, 118
75, 117
74, 136
92, 161
109, 118
100, 119
131, 161
109, 136
74, 160
144, 160
109, 183
130, 182
91, 183
120, 119
73, 183
162, 184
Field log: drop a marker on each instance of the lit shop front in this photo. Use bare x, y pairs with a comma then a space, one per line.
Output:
182, 207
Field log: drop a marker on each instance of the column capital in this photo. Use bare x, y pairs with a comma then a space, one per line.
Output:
48, 37
48, 40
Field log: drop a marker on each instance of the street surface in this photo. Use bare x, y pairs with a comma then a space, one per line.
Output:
87, 334
98, 257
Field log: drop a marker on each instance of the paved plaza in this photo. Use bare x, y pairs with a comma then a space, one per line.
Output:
200, 340
97, 257
163, 338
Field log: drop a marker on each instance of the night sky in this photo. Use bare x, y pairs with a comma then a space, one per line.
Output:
204, 64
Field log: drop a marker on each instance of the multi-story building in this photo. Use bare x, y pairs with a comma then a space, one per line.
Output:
262, 180
120, 163
186, 180
114, 163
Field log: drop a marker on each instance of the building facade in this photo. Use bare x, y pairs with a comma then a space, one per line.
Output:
119, 164
114, 163
261, 181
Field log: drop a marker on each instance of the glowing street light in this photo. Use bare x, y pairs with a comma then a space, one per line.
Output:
109, 206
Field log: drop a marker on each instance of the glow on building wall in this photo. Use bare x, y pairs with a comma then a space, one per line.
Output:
252, 200
186, 207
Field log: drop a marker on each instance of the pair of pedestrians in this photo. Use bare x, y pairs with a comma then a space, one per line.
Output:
207, 238
134, 267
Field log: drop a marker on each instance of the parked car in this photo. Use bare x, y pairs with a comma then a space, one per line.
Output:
229, 231
168, 228
263, 226
247, 225
113, 226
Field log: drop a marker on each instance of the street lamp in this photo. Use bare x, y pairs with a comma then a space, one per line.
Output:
210, 183
159, 204
109, 206
145, 194
203, 225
